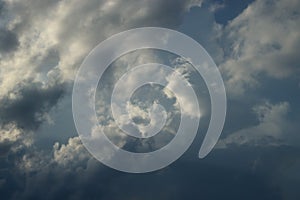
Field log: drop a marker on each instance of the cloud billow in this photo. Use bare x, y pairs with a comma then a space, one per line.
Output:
42, 44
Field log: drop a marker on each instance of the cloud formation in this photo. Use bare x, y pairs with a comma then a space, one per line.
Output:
271, 128
262, 41
42, 44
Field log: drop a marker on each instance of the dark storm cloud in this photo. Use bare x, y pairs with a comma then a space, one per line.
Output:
236, 173
31, 103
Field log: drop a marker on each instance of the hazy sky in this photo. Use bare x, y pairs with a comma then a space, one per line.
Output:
256, 46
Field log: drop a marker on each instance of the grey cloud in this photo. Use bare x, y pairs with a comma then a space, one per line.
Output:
260, 47
51, 39
246, 174
32, 101
271, 129
64, 36
8, 41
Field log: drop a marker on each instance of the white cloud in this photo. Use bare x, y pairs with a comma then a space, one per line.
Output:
72, 28
264, 39
54, 36
70, 153
10, 134
271, 130
189, 106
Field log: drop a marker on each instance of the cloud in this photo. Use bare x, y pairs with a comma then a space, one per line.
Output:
27, 106
72, 152
262, 41
45, 42
11, 136
42, 44
272, 128
52, 24
8, 41
189, 179
189, 107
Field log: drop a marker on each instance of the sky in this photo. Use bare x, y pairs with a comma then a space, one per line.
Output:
255, 45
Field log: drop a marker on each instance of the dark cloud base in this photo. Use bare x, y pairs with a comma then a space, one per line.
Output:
34, 101
238, 173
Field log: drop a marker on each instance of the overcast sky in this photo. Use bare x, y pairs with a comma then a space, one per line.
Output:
255, 45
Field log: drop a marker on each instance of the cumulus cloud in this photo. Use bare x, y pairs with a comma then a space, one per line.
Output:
262, 41
52, 24
72, 152
11, 136
272, 128
52, 41
42, 44
27, 105
188, 106
46, 43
